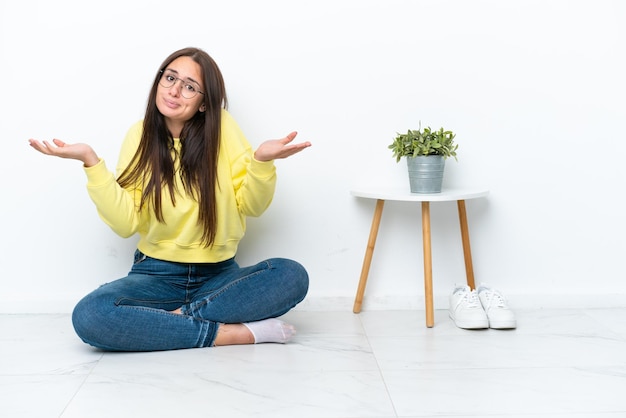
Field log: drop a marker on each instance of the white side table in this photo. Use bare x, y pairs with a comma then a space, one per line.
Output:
381, 194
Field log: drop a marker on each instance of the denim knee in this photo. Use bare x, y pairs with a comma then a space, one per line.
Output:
296, 275
89, 319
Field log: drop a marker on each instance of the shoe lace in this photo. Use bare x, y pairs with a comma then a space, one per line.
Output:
495, 299
471, 299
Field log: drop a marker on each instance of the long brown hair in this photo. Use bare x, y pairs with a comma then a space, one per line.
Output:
152, 167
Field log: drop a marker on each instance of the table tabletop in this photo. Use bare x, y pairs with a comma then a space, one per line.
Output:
404, 194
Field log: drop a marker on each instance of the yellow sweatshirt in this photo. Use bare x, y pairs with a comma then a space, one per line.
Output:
246, 188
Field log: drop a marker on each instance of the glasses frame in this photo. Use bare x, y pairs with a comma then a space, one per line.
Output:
176, 80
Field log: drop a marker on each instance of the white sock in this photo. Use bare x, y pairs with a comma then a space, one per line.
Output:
270, 330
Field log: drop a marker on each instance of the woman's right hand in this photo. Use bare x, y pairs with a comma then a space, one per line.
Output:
58, 148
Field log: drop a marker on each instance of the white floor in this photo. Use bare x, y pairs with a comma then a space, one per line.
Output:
560, 363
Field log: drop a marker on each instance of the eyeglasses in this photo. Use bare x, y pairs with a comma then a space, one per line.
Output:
190, 88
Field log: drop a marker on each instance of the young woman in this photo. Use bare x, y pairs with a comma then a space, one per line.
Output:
186, 180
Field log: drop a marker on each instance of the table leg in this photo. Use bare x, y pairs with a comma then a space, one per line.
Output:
369, 251
428, 265
467, 251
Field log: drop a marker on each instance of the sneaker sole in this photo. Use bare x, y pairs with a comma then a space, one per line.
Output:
470, 324
503, 325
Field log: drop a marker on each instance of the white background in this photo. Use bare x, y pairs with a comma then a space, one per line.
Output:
533, 89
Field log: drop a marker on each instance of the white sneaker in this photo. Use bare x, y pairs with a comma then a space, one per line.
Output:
465, 309
494, 304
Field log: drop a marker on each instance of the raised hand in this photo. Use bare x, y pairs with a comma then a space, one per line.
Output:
279, 148
58, 148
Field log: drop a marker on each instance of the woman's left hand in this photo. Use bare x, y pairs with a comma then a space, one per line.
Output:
279, 148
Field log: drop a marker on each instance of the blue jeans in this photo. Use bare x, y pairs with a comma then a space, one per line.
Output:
132, 313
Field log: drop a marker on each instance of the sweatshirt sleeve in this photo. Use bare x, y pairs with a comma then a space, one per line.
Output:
116, 206
254, 181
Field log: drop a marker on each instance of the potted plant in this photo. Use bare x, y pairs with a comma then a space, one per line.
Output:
425, 151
